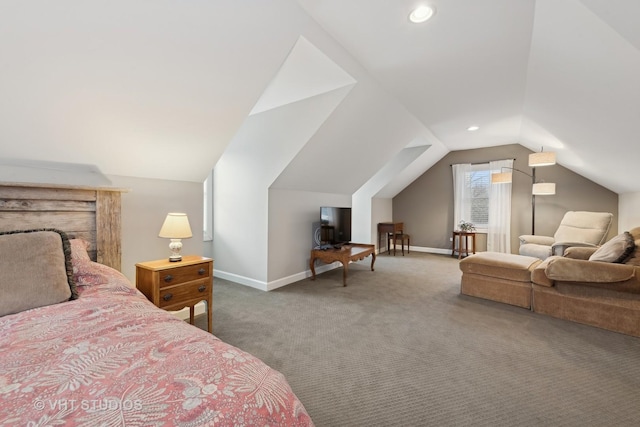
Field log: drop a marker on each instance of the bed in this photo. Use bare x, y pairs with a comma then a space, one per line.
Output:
79, 345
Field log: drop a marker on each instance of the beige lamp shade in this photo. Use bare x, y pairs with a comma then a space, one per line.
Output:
176, 226
501, 177
544, 188
547, 158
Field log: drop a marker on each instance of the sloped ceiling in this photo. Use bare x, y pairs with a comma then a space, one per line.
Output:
583, 89
560, 75
306, 72
159, 88
140, 88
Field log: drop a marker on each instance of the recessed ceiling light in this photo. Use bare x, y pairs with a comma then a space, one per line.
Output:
421, 14
473, 128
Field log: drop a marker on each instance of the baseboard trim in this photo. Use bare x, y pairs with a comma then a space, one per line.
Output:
243, 280
275, 284
421, 249
431, 250
269, 286
300, 276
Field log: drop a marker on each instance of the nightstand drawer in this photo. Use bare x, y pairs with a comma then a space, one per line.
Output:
184, 274
179, 294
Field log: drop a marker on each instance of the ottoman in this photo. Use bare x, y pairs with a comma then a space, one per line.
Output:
498, 277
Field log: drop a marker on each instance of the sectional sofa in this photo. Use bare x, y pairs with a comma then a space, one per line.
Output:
594, 286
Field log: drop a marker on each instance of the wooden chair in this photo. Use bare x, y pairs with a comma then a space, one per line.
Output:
401, 237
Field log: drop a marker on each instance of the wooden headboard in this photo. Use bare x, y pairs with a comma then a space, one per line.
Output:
92, 214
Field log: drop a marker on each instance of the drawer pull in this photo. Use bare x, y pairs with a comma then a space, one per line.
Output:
202, 271
202, 288
167, 297
168, 278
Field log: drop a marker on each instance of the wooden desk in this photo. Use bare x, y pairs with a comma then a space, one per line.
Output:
463, 243
389, 228
351, 252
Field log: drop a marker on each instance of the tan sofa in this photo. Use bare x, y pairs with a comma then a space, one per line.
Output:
601, 294
570, 287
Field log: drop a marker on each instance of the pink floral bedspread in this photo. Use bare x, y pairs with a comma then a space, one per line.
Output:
112, 358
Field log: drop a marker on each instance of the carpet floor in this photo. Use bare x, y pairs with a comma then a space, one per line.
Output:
401, 347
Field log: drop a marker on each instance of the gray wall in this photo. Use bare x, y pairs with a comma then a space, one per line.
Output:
426, 206
144, 209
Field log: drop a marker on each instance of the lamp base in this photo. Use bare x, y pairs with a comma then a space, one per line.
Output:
176, 247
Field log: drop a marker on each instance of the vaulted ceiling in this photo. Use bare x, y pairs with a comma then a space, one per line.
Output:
163, 88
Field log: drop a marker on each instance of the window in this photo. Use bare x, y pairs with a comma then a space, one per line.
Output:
471, 194
488, 207
478, 181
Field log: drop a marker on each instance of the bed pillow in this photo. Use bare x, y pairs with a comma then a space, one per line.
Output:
35, 270
79, 249
616, 250
90, 273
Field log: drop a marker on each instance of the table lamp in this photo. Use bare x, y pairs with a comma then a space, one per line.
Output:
176, 227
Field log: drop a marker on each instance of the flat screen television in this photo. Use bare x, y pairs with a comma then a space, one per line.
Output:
335, 225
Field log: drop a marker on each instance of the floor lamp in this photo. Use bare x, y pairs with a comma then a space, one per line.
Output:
537, 188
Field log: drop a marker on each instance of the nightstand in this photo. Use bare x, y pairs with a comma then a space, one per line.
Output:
175, 285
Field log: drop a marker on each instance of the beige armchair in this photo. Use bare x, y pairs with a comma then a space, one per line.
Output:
577, 228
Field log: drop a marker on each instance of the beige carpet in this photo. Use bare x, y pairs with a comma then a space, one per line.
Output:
401, 347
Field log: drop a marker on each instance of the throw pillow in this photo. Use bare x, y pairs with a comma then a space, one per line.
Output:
616, 250
634, 259
35, 268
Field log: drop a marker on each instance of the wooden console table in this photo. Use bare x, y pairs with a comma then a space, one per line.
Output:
390, 229
347, 253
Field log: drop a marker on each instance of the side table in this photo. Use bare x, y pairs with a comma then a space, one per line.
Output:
175, 285
463, 243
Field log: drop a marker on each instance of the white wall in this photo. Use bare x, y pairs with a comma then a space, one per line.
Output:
144, 209
361, 218
381, 211
330, 143
57, 173
628, 211
291, 216
258, 153
240, 222
365, 228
